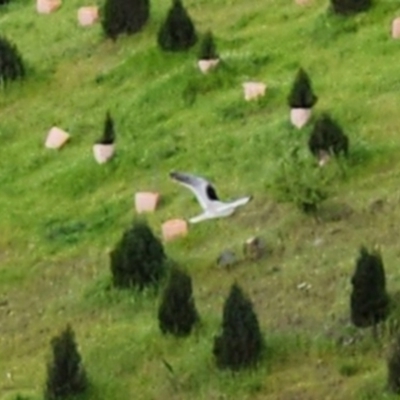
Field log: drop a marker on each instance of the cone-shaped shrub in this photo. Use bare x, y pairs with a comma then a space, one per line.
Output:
124, 16
138, 259
301, 94
327, 136
346, 7
177, 33
369, 301
108, 131
393, 367
177, 312
65, 373
240, 344
208, 50
11, 63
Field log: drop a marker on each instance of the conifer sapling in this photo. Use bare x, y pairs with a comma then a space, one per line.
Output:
108, 131
11, 63
393, 367
177, 33
124, 16
301, 94
240, 343
65, 373
327, 136
369, 301
347, 7
138, 260
208, 50
177, 313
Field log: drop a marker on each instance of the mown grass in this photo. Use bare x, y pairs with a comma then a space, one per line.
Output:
61, 213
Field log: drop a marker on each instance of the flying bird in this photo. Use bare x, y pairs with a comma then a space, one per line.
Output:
207, 197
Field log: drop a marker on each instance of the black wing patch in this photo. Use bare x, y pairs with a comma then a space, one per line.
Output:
211, 193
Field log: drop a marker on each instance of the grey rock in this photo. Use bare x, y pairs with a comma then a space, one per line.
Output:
227, 259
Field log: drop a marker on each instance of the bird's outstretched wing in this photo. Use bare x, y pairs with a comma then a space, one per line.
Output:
201, 187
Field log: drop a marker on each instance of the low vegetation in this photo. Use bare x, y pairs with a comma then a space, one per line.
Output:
70, 253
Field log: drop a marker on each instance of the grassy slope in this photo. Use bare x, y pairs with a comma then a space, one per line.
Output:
61, 213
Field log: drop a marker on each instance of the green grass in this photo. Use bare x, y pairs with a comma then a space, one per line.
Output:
61, 213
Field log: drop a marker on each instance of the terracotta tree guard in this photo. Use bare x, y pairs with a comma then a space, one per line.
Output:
173, 229
396, 28
56, 138
323, 157
146, 201
88, 15
253, 90
300, 116
206, 66
47, 6
103, 152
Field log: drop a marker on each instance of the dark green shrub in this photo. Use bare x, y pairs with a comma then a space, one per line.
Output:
11, 63
124, 16
177, 33
177, 312
327, 136
65, 373
301, 94
138, 259
346, 7
393, 367
4, 2
108, 131
240, 344
369, 301
208, 50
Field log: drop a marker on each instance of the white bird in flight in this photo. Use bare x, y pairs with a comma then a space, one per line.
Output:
207, 197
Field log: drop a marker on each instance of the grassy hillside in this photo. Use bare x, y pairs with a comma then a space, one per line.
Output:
61, 213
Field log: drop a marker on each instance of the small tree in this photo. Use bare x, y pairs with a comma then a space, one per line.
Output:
138, 259
369, 301
328, 136
346, 7
177, 33
108, 131
177, 312
208, 50
65, 373
240, 344
11, 63
393, 366
301, 94
124, 16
